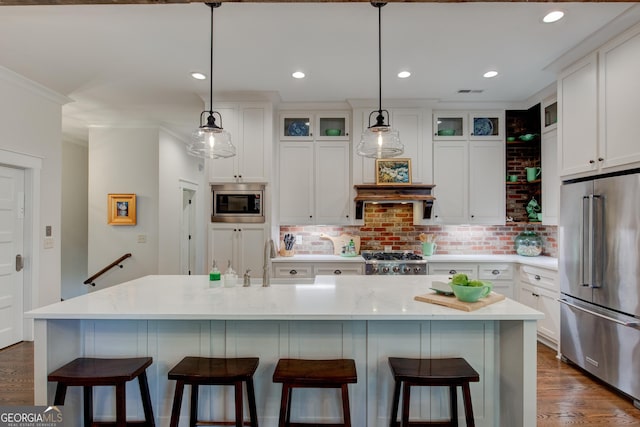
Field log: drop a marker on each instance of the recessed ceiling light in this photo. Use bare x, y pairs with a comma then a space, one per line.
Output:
404, 74
554, 16
298, 75
198, 76
490, 74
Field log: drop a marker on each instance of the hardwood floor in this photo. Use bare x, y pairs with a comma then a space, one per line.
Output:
566, 397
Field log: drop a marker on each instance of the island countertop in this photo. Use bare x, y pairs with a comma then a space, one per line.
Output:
328, 298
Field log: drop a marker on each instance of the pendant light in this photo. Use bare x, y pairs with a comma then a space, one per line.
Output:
210, 140
380, 140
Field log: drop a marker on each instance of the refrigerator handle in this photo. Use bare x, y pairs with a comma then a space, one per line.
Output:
598, 240
602, 316
586, 237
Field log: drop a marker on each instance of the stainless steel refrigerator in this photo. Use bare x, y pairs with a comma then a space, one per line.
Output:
599, 269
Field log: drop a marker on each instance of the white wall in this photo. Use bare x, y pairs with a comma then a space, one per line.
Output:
177, 167
75, 193
30, 124
123, 160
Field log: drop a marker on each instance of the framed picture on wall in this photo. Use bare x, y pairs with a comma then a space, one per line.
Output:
121, 209
393, 171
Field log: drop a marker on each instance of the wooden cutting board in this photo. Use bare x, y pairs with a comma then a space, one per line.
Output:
453, 302
342, 240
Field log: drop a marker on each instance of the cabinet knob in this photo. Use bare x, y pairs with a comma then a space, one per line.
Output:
600, 159
592, 162
240, 176
536, 277
495, 272
452, 272
235, 229
235, 176
337, 272
473, 216
293, 272
347, 216
310, 216
346, 134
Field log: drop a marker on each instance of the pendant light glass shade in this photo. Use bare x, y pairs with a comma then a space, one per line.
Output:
210, 140
380, 140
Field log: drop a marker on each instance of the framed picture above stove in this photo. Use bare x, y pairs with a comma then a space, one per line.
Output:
393, 171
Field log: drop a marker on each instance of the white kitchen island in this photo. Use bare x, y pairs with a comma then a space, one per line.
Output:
366, 318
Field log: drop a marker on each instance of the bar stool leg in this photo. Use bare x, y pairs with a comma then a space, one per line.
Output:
284, 405
61, 393
251, 396
146, 399
406, 399
393, 422
468, 409
346, 412
238, 398
177, 404
453, 405
88, 405
193, 407
121, 405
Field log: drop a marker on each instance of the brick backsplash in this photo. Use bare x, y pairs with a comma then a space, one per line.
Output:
392, 225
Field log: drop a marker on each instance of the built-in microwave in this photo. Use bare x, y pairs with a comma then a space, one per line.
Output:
237, 203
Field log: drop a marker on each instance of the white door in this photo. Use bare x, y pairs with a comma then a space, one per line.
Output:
11, 249
187, 237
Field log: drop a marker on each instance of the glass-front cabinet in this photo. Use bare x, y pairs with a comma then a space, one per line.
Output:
296, 126
449, 125
332, 126
486, 125
550, 114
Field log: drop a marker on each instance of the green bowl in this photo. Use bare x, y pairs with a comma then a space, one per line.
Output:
333, 132
471, 293
511, 138
446, 132
527, 137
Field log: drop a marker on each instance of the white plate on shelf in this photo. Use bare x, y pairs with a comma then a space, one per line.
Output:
442, 288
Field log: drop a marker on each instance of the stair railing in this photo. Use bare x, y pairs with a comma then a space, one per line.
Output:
90, 280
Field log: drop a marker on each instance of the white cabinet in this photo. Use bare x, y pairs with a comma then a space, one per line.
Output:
251, 131
243, 244
469, 180
318, 126
578, 117
538, 288
414, 127
314, 182
500, 274
306, 270
598, 109
550, 179
463, 125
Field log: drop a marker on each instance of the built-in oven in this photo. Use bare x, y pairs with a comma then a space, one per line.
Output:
237, 203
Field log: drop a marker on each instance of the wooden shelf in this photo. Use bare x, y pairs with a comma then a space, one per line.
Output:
537, 181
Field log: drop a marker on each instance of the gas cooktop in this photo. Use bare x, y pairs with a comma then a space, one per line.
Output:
391, 256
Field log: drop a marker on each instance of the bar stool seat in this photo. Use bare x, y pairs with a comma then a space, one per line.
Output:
90, 372
197, 371
449, 372
301, 373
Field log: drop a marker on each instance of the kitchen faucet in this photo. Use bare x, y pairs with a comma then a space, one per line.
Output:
266, 280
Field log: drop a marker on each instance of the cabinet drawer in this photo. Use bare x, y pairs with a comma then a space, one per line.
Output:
495, 271
293, 270
338, 269
539, 277
470, 270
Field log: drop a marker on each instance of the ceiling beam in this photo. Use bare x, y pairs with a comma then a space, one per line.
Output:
117, 2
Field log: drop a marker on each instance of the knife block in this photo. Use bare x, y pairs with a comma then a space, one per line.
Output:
285, 252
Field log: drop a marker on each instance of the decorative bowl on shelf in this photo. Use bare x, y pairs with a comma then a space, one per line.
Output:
446, 132
333, 132
511, 138
527, 137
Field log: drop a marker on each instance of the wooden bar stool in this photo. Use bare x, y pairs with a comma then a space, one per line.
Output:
452, 372
299, 373
197, 371
90, 372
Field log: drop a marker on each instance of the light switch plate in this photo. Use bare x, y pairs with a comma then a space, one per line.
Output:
299, 239
142, 238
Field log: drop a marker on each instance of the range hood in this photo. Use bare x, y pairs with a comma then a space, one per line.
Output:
394, 194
